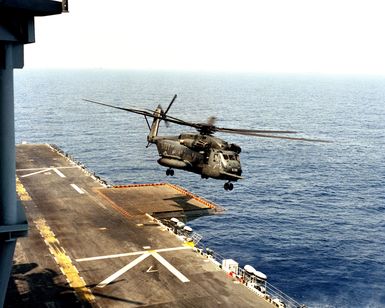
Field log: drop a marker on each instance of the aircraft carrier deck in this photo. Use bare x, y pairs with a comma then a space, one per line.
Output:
94, 245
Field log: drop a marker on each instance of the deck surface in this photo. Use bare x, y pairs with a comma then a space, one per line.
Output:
94, 246
158, 200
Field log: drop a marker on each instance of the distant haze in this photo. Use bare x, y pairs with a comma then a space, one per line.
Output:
297, 36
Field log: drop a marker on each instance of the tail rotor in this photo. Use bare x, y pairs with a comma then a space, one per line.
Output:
163, 113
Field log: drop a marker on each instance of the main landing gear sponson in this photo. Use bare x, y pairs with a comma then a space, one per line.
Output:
169, 172
228, 186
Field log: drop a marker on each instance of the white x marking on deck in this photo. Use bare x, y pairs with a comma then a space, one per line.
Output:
142, 256
43, 170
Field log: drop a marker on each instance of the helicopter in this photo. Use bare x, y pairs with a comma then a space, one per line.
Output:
199, 152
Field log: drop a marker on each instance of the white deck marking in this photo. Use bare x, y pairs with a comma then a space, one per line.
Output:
151, 269
42, 170
32, 169
130, 254
143, 255
122, 270
37, 172
58, 173
172, 249
171, 268
74, 186
111, 256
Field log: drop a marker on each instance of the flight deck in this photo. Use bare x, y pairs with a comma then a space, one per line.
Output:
94, 245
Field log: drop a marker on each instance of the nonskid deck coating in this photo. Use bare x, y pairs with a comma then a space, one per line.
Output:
158, 200
87, 247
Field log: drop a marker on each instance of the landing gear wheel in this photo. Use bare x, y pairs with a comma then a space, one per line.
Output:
228, 186
169, 172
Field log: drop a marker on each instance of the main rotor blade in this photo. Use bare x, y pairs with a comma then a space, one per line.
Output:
277, 136
169, 106
147, 113
204, 127
252, 131
133, 110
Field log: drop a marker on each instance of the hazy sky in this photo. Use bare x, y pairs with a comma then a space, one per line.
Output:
319, 36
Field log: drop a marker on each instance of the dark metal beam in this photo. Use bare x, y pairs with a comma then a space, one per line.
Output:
32, 7
16, 29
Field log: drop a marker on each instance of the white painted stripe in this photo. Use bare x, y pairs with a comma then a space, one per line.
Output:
37, 172
59, 173
74, 186
122, 271
32, 169
111, 256
131, 254
175, 248
151, 270
171, 268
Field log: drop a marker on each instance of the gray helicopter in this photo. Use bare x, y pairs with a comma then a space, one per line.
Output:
201, 152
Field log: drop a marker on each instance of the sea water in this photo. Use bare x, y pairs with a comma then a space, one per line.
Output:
311, 216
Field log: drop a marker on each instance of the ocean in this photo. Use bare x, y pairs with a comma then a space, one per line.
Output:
311, 216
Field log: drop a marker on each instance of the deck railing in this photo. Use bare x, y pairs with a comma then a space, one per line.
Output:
261, 288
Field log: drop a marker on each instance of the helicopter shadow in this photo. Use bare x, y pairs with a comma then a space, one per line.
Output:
189, 207
33, 286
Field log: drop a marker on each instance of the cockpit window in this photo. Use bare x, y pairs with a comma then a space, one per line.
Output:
229, 157
216, 158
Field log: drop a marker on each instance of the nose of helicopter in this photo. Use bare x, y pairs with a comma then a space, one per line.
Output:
234, 167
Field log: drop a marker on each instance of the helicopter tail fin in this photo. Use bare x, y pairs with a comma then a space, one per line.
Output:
155, 125
159, 115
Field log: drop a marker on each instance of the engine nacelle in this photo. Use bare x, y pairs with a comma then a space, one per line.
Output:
193, 144
187, 142
235, 148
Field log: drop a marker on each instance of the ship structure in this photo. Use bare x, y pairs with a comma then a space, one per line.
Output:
93, 244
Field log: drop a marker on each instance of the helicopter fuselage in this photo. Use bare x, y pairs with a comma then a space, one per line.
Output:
209, 156
201, 152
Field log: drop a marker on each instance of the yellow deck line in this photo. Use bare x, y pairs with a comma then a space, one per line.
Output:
21, 191
64, 262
